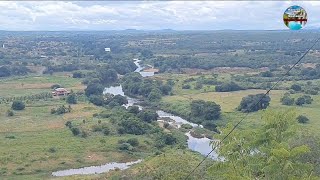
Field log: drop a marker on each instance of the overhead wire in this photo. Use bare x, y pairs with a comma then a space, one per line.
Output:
247, 113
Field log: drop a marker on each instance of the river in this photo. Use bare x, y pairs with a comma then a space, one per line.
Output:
201, 145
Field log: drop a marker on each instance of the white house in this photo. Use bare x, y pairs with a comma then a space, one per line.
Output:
107, 49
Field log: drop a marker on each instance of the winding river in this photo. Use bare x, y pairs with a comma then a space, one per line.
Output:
201, 145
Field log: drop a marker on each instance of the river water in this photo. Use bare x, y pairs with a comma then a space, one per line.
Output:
201, 145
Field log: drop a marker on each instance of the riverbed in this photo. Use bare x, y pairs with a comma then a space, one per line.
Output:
201, 145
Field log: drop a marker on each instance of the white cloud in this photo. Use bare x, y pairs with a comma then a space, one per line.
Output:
59, 15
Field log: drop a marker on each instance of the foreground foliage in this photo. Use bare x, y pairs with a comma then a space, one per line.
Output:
267, 153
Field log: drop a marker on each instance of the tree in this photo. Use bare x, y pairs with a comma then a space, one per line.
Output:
265, 153
253, 103
205, 110
300, 101
148, 115
78, 74
116, 100
5, 71
72, 99
155, 95
18, 105
302, 119
107, 75
94, 89
97, 100
308, 99
227, 87
266, 74
287, 100
134, 109
75, 131
296, 87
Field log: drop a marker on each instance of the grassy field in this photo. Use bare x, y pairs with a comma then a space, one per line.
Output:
229, 101
34, 142
28, 85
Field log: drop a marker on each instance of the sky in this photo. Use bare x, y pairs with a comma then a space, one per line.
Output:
150, 15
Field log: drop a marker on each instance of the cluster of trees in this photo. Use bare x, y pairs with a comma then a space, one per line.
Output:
204, 111
68, 67
128, 145
61, 110
76, 131
227, 87
13, 70
310, 73
252, 103
109, 100
153, 90
289, 101
101, 127
27, 98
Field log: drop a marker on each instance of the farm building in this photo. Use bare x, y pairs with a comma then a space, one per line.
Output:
60, 92
107, 49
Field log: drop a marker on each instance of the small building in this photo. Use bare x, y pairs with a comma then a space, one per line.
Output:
107, 49
60, 92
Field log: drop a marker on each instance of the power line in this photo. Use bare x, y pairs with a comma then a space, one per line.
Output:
236, 125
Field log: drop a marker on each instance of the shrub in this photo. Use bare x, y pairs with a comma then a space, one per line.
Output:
125, 147
18, 105
186, 126
96, 128
134, 109
106, 131
287, 100
75, 131
133, 142
308, 99
296, 87
166, 125
300, 101
52, 150
84, 134
302, 119
55, 86
72, 99
186, 86
68, 124
10, 113
97, 100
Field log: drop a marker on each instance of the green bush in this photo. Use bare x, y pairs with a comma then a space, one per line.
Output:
186, 86
10, 113
133, 142
18, 105
72, 99
75, 131
302, 119
52, 150
125, 147
186, 126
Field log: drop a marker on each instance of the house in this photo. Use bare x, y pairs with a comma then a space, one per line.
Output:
60, 92
107, 49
